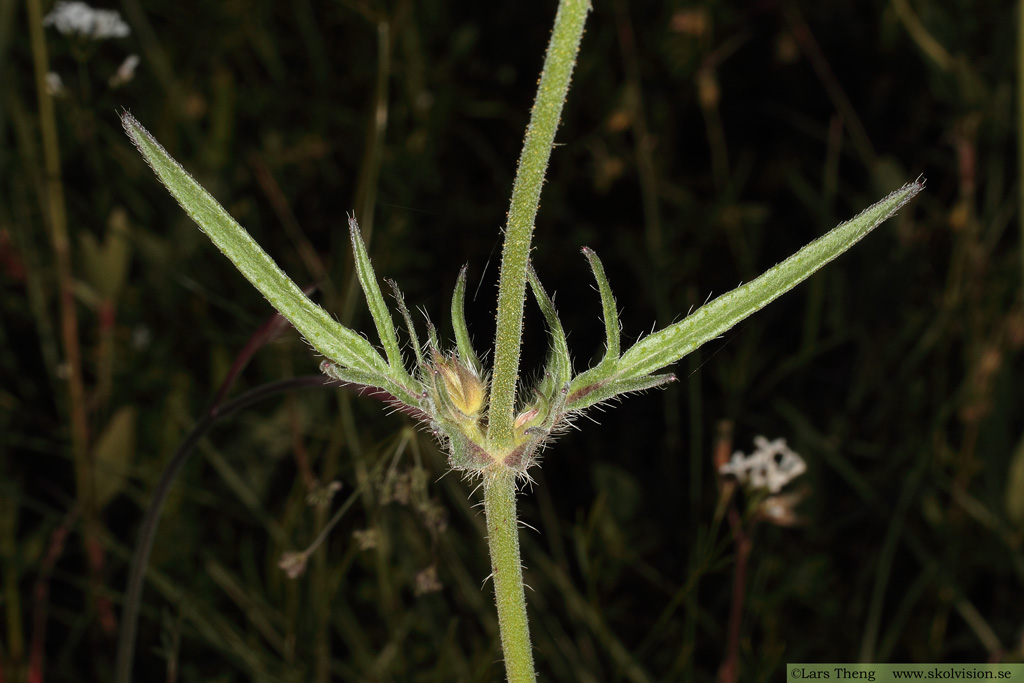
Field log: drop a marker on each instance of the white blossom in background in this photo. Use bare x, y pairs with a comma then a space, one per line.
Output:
771, 466
780, 509
54, 84
125, 72
293, 564
78, 18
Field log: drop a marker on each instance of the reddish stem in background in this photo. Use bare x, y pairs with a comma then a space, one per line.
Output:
54, 210
41, 595
104, 607
266, 333
729, 670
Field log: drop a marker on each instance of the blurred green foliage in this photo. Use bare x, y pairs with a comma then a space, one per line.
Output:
702, 143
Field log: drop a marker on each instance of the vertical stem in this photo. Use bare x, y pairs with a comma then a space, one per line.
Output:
729, 672
41, 598
499, 481
1020, 128
507, 572
56, 217
533, 163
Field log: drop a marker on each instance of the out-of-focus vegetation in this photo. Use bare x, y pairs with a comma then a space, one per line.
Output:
701, 143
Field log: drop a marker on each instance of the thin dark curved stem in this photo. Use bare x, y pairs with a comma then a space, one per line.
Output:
147, 532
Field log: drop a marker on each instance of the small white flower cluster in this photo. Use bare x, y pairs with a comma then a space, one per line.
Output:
771, 466
80, 19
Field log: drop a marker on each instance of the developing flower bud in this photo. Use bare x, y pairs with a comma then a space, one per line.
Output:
465, 389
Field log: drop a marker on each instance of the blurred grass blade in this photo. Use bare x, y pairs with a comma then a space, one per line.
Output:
107, 262
1015, 487
114, 452
327, 336
672, 343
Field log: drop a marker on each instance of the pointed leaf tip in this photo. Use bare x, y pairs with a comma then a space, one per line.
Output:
458, 313
668, 345
378, 307
559, 363
325, 334
609, 310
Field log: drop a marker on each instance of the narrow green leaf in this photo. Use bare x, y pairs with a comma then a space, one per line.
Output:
592, 394
610, 311
672, 343
327, 336
559, 362
375, 300
414, 340
462, 340
349, 376
432, 340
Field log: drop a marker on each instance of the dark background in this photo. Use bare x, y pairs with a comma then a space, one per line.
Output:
701, 144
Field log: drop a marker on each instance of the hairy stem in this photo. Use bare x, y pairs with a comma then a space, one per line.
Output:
507, 572
533, 163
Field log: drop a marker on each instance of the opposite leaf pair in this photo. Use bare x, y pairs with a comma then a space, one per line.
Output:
449, 390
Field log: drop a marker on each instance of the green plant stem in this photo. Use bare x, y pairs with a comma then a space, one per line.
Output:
533, 163
1020, 128
55, 214
507, 572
